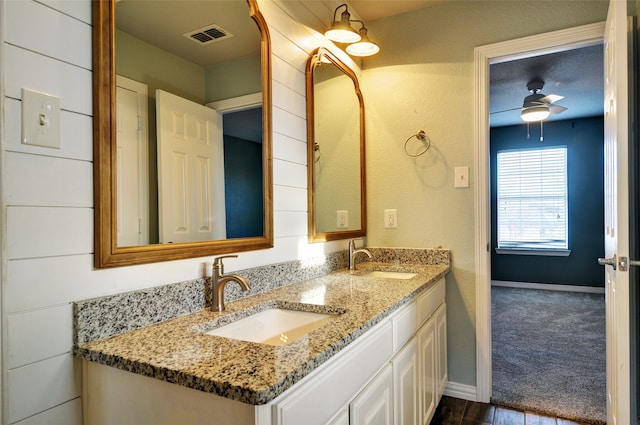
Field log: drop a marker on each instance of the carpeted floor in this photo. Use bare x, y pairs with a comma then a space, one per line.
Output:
549, 352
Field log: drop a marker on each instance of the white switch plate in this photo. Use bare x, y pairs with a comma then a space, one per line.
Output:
461, 175
40, 119
342, 217
391, 219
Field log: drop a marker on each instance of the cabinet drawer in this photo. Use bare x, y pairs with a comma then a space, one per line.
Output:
320, 396
405, 325
429, 301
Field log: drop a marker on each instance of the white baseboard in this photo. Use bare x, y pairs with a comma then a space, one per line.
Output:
548, 286
463, 391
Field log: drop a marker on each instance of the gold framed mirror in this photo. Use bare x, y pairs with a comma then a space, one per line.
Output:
215, 227
335, 150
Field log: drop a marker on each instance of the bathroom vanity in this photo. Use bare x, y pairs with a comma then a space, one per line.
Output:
380, 358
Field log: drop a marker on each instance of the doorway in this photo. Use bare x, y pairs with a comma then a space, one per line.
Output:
583, 36
547, 203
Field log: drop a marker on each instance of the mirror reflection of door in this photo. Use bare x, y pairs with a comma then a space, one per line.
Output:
190, 170
132, 164
180, 61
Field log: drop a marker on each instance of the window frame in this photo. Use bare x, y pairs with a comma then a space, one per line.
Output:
530, 247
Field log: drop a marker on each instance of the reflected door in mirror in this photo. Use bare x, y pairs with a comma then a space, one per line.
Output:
190, 170
190, 216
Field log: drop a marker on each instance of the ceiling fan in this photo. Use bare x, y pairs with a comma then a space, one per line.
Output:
537, 106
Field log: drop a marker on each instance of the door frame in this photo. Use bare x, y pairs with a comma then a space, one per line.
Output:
484, 56
141, 91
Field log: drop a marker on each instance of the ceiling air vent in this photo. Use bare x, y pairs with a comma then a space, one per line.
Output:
208, 34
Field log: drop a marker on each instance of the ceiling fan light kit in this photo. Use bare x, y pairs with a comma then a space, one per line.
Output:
342, 32
534, 113
537, 106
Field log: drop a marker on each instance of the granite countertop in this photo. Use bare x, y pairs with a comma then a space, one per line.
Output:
178, 351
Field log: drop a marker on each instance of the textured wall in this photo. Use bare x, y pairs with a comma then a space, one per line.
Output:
423, 79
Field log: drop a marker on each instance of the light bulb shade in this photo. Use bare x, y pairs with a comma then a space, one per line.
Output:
342, 31
364, 47
534, 113
342, 35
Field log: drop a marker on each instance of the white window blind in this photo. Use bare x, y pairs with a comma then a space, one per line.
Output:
532, 199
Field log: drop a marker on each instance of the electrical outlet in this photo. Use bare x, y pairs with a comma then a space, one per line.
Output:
342, 217
391, 219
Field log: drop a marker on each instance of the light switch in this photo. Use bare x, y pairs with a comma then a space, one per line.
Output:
40, 119
461, 175
342, 219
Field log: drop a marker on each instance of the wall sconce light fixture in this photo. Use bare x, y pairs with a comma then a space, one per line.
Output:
342, 32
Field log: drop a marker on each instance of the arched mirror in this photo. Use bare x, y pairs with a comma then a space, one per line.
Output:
335, 140
182, 130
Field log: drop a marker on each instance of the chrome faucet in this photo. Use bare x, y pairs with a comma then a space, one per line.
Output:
219, 280
353, 252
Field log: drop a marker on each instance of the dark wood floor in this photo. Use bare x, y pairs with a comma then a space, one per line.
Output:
454, 411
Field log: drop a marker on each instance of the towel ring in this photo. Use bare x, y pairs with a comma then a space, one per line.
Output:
420, 135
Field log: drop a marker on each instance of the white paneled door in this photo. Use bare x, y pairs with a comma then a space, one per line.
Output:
190, 170
619, 368
132, 163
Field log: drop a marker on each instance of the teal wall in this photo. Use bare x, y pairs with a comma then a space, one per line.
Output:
584, 139
243, 187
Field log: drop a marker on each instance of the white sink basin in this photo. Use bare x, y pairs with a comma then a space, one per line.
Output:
391, 275
274, 326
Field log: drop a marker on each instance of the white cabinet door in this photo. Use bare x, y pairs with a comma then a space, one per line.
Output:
441, 350
341, 418
322, 394
405, 385
374, 405
426, 368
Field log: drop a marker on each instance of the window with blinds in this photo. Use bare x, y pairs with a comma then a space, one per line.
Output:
532, 199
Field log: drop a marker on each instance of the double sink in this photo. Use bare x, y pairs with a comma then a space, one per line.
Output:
280, 324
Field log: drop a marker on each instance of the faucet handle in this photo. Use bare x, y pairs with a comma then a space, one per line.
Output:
217, 262
352, 242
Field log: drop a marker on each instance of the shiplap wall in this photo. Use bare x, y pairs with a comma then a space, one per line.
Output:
47, 257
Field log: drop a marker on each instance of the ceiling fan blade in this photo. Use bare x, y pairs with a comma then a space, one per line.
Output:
556, 109
551, 98
505, 110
